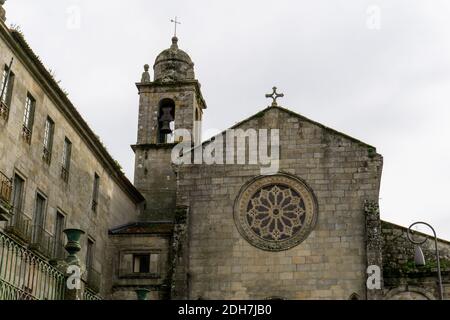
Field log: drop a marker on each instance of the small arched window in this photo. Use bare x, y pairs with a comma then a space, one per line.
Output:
166, 121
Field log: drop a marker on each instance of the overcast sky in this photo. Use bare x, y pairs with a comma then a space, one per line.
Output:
376, 70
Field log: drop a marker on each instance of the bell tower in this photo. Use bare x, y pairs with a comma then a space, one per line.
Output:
173, 100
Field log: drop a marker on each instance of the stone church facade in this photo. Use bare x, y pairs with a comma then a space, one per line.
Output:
221, 230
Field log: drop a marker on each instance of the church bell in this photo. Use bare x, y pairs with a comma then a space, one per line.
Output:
165, 120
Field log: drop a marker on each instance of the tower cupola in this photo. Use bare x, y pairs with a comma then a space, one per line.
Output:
173, 64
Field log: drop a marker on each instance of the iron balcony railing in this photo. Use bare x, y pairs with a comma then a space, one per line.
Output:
42, 241
5, 188
5, 197
26, 134
90, 295
94, 205
64, 174
20, 226
47, 156
4, 110
26, 276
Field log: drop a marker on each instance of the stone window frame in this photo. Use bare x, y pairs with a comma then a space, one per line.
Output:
131, 274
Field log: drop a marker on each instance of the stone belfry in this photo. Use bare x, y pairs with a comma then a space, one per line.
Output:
173, 100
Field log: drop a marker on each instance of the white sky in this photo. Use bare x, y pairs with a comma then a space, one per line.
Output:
388, 86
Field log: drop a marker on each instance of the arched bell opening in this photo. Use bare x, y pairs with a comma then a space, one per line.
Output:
166, 121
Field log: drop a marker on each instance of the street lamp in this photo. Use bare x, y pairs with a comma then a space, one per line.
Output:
419, 258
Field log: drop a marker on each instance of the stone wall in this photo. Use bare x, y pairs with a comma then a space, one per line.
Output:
155, 179
116, 203
122, 287
329, 264
401, 275
153, 175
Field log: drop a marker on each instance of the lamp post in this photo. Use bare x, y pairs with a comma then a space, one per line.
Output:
419, 258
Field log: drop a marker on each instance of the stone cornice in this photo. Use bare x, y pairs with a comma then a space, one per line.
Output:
147, 146
175, 84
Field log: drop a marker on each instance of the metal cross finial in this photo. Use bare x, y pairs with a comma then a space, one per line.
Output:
175, 22
275, 96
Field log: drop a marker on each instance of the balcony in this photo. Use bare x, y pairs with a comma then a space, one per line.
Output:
94, 205
25, 275
4, 111
20, 226
26, 134
5, 197
42, 242
47, 156
64, 174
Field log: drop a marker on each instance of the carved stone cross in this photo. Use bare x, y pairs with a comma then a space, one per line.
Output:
275, 96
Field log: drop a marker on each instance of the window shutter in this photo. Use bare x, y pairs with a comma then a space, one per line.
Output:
126, 264
154, 263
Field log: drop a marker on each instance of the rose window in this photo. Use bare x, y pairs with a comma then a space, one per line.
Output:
275, 213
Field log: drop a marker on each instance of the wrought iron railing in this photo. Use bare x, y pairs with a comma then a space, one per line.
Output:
64, 174
42, 241
94, 205
26, 276
47, 156
90, 295
26, 134
5, 197
20, 226
5, 188
4, 110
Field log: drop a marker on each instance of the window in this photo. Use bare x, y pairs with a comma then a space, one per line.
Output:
166, 121
90, 254
18, 193
39, 218
17, 220
95, 192
66, 159
59, 235
28, 118
48, 140
139, 264
145, 263
6, 92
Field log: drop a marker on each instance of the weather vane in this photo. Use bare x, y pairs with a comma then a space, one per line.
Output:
175, 22
274, 96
